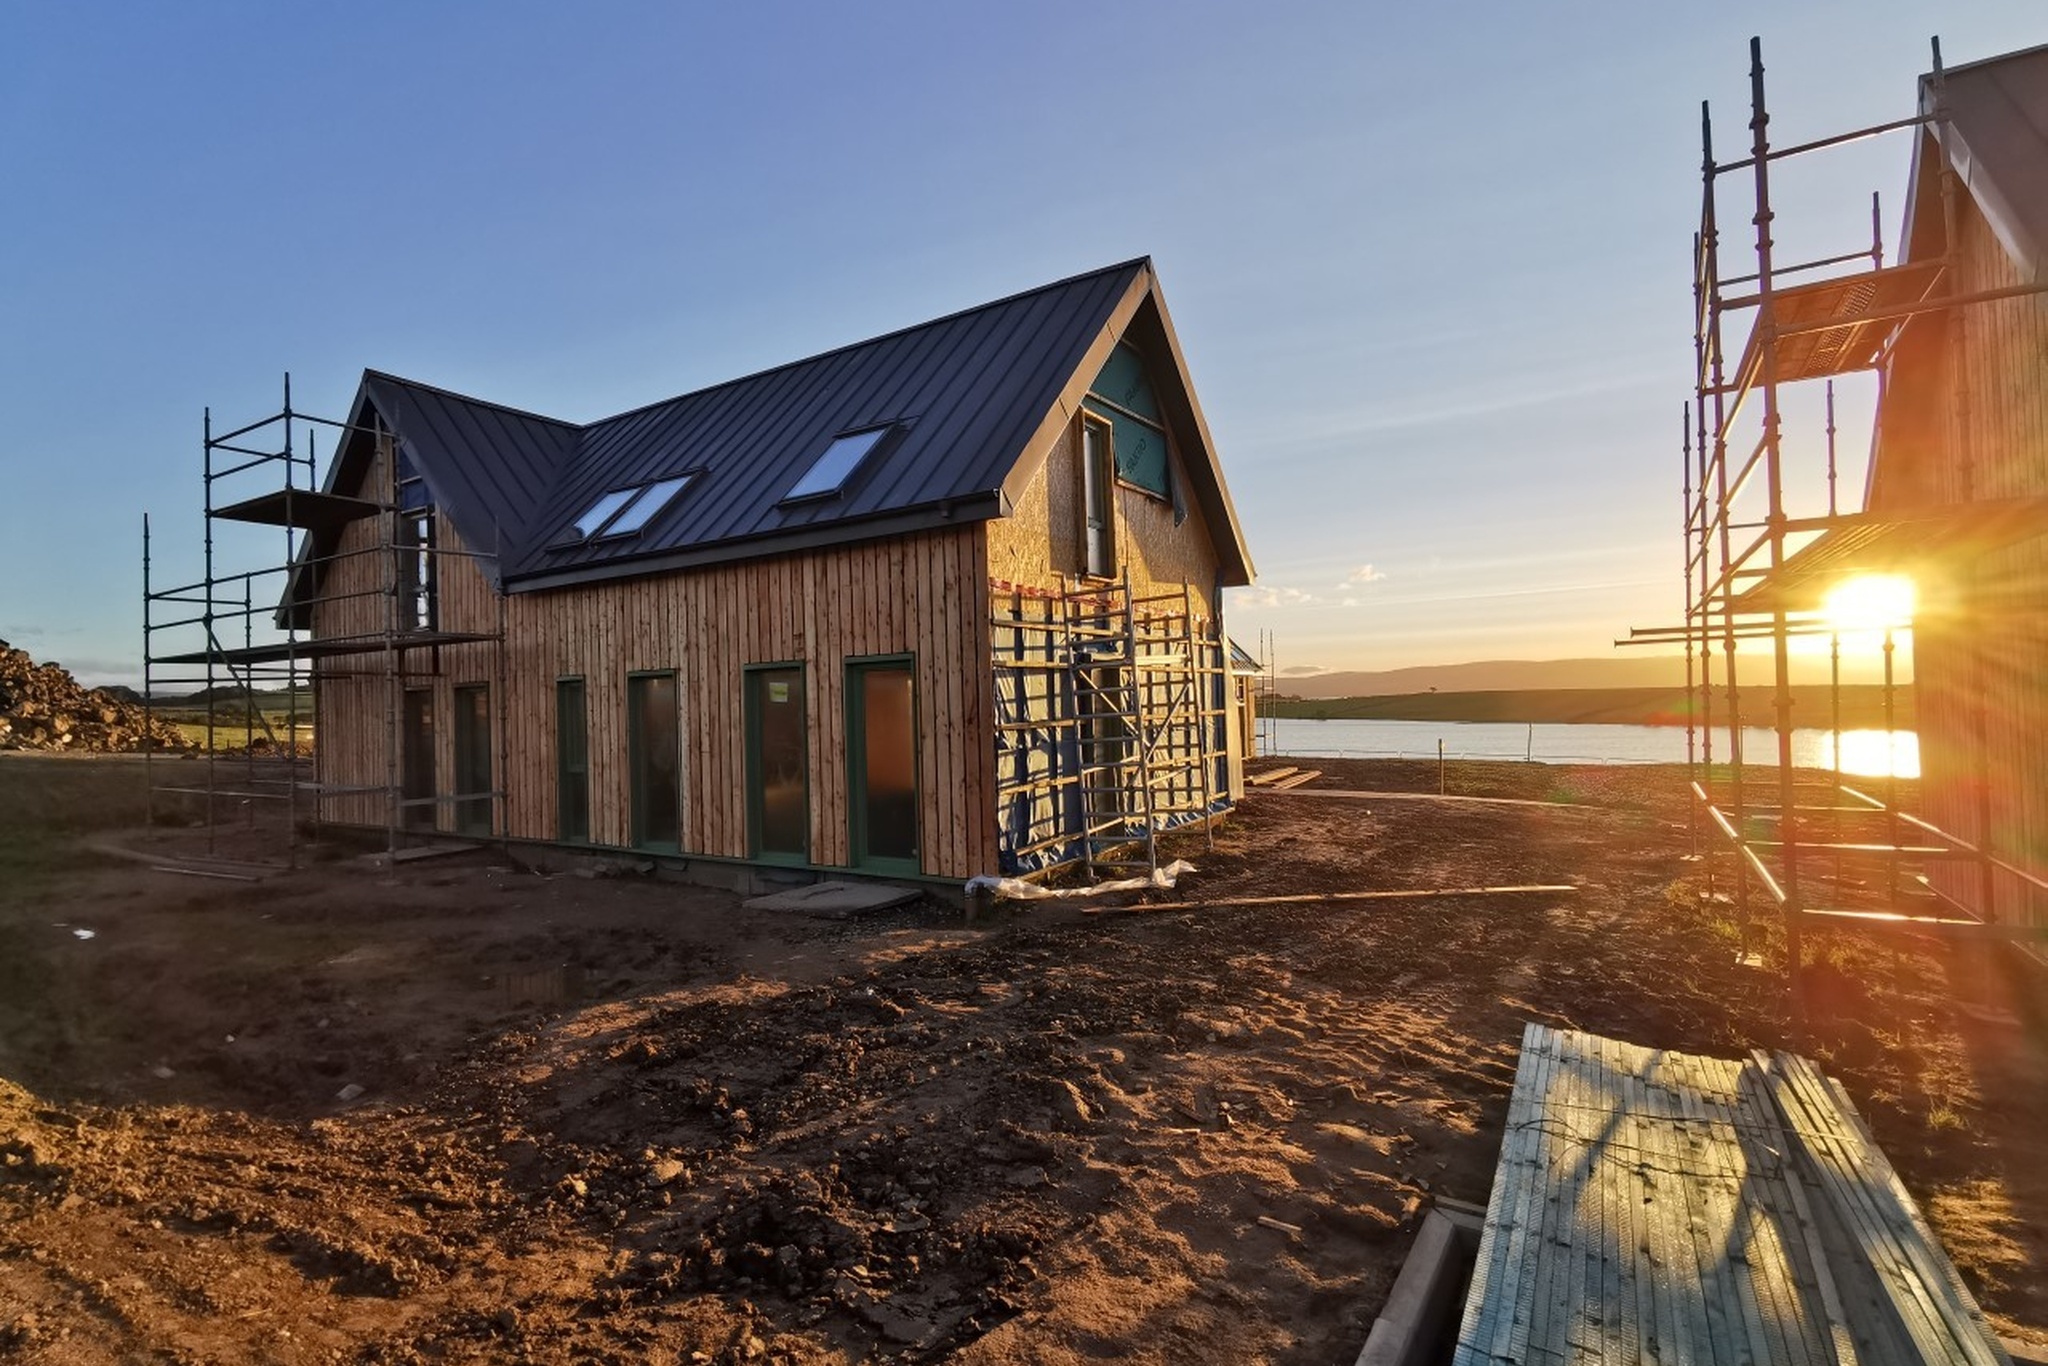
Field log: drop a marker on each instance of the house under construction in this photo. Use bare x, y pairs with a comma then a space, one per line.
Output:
942, 603
1955, 328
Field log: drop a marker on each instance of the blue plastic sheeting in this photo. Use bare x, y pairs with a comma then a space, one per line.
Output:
1127, 403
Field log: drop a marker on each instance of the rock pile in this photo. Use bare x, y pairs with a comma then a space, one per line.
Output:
43, 707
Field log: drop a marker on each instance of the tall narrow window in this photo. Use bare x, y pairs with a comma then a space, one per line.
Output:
417, 760
778, 764
655, 757
572, 762
418, 608
473, 760
1098, 499
881, 728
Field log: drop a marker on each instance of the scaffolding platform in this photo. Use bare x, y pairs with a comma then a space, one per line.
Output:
1757, 571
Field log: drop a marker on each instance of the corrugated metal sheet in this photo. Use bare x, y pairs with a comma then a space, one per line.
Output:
966, 392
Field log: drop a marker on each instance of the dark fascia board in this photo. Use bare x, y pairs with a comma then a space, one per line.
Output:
899, 522
1212, 464
1184, 412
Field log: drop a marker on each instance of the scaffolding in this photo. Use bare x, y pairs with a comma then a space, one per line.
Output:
236, 639
1112, 716
1826, 854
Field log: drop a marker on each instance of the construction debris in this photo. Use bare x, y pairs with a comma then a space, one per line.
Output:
42, 707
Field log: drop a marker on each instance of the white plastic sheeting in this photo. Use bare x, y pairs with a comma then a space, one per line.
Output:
1016, 889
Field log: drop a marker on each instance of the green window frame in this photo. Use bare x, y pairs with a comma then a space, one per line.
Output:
572, 760
862, 827
657, 798
766, 811
473, 767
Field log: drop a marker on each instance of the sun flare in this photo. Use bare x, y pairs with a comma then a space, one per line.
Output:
1869, 602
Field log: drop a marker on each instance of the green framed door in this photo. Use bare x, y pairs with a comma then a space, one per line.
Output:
472, 759
881, 751
417, 760
778, 764
572, 762
654, 759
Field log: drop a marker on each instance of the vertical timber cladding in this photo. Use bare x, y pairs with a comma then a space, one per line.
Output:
1997, 636
353, 699
923, 595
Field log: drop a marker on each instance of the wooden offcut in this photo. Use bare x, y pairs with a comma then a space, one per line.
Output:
1652, 1205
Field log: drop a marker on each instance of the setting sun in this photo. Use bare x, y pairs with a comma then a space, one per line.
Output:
1870, 602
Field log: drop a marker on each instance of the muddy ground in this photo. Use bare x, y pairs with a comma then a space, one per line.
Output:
470, 1111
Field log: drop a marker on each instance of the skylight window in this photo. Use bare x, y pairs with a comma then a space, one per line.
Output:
642, 510
623, 512
832, 469
602, 511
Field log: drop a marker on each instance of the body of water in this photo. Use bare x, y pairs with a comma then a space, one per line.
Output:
1864, 752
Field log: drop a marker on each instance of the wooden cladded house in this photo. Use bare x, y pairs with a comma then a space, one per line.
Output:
938, 604
1962, 451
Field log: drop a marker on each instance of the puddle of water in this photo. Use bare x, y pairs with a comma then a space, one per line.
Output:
83, 933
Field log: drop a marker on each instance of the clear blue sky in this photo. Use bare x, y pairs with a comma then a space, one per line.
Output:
1429, 263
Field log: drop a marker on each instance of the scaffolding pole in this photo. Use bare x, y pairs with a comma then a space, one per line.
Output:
1742, 568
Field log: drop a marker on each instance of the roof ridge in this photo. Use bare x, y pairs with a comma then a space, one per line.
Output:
1947, 70
471, 398
1145, 261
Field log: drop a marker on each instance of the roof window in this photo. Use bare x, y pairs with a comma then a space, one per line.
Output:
829, 473
624, 512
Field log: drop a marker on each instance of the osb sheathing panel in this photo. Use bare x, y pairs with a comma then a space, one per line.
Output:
1041, 539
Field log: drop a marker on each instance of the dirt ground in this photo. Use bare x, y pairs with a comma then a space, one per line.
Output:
470, 1111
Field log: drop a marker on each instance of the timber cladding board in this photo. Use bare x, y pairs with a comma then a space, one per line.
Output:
1990, 390
1650, 1204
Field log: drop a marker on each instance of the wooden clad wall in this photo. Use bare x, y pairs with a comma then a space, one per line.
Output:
923, 595
353, 710
1982, 633
350, 699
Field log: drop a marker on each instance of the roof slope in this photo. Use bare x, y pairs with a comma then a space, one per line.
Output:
967, 390
967, 398
1996, 135
487, 466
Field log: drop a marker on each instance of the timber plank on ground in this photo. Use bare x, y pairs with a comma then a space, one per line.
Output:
1696, 1211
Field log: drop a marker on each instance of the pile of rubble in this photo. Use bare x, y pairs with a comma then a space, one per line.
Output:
43, 707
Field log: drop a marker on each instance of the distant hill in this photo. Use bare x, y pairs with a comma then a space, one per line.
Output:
1546, 675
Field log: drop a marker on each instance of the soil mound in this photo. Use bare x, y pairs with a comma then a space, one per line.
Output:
43, 707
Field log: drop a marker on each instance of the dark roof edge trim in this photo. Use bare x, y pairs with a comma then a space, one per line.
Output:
1142, 263
930, 517
471, 399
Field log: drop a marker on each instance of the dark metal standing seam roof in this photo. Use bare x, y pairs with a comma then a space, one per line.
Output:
966, 390
963, 396
487, 466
